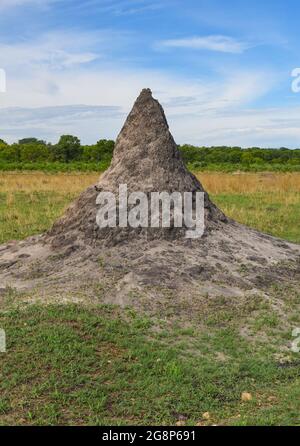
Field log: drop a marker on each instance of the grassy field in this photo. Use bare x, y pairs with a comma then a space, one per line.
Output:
72, 365
270, 202
102, 365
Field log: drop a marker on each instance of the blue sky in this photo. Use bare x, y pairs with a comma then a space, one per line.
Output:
221, 69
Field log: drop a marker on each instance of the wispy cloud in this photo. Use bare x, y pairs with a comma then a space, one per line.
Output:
57, 50
274, 127
48, 74
50, 122
56, 74
16, 115
198, 115
217, 43
122, 7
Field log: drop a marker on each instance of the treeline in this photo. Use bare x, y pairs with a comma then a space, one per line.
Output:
233, 158
67, 154
70, 155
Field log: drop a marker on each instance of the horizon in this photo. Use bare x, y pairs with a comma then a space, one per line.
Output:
222, 74
50, 143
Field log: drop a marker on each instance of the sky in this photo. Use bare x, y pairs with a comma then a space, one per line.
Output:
221, 69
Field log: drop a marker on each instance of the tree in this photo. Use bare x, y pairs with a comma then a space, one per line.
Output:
247, 158
31, 141
106, 146
67, 149
102, 151
34, 152
10, 153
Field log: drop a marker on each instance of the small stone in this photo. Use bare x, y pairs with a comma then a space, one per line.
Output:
246, 396
206, 416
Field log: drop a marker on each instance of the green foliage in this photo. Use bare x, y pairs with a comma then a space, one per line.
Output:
34, 152
235, 158
53, 167
102, 151
67, 149
9, 153
31, 141
68, 155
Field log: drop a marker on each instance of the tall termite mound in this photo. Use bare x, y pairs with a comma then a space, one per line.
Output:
146, 158
159, 264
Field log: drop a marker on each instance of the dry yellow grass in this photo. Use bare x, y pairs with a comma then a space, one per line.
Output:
246, 183
43, 182
214, 182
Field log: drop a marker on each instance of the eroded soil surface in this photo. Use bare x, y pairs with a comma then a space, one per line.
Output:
172, 279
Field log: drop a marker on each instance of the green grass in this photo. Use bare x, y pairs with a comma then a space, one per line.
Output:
54, 167
72, 365
230, 167
267, 212
23, 214
90, 166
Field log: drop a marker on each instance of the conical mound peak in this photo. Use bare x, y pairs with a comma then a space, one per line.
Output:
146, 156
146, 118
146, 159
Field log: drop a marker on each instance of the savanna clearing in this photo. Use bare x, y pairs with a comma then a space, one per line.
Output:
75, 364
270, 202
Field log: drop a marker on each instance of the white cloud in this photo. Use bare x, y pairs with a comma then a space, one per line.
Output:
222, 44
276, 127
123, 7
202, 114
51, 122
246, 127
47, 77
52, 51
